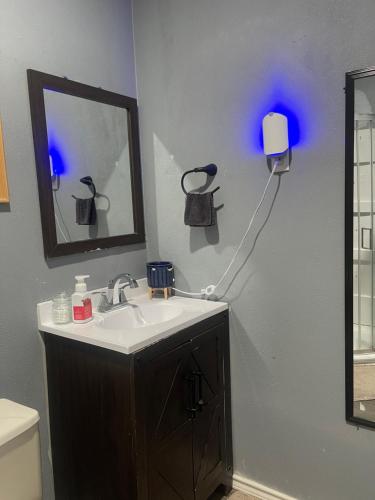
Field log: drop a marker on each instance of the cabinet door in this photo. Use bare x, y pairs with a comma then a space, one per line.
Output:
208, 424
166, 384
180, 396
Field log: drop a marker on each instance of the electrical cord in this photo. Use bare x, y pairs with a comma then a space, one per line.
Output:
57, 219
187, 293
210, 289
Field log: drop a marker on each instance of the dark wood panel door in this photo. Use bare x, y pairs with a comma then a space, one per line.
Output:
208, 425
168, 387
184, 394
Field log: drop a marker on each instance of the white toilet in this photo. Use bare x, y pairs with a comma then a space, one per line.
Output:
20, 469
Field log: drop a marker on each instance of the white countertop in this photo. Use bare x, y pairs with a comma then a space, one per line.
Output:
128, 339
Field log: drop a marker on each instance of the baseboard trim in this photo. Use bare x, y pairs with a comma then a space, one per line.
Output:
251, 487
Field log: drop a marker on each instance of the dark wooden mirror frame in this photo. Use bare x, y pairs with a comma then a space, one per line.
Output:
349, 183
39, 81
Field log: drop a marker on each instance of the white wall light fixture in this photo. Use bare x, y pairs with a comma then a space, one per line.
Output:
276, 142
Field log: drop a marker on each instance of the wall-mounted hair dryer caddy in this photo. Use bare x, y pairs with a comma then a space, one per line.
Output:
275, 142
199, 207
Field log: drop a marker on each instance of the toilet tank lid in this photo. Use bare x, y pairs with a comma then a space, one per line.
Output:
15, 419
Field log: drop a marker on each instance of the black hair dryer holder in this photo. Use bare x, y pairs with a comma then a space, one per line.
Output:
210, 170
199, 207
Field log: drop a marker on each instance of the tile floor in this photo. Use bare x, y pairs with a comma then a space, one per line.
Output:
364, 381
235, 495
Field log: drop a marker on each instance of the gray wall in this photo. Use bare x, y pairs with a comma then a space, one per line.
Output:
207, 71
88, 41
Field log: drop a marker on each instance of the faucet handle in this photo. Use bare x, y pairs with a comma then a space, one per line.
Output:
133, 283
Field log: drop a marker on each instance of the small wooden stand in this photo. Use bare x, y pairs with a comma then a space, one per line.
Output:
166, 291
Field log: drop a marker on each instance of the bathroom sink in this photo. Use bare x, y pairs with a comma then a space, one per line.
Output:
139, 324
139, 315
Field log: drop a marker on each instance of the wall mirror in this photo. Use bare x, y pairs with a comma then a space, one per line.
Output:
359, 246
86, 143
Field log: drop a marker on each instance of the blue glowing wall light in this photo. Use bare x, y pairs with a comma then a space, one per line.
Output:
290, 94
294, 133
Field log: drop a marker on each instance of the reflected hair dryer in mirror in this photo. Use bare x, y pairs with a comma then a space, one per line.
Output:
85, 207
87, 180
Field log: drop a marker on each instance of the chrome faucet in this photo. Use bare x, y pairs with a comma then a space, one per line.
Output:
115, 296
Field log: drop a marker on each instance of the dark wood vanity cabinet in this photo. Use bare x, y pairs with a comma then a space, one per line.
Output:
153, 425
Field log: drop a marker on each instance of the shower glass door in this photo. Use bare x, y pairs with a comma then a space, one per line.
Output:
363, 225
359, 247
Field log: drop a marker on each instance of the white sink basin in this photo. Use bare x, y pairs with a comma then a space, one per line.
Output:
139, 315
135, 326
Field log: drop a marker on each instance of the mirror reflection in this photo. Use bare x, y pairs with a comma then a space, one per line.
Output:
88, 146
363, 250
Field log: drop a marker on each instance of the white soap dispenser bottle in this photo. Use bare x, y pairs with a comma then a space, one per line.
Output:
81, 301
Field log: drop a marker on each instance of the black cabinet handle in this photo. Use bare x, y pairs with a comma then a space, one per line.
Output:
192, 395
201, 402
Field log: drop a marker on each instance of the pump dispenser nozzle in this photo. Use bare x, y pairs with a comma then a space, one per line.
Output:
81, 285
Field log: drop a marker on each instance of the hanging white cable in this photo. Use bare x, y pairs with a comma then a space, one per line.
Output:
187, 293
61, 231
57, 219
210, 289
249, 226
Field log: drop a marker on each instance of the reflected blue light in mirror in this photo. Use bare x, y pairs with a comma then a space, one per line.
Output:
58, 165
